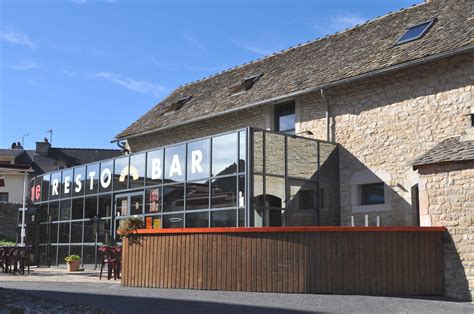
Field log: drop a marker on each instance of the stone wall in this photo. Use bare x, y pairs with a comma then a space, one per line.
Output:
255, 117
447, 199
8, 221
384, 123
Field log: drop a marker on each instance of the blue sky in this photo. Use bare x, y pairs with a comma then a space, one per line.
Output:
87, 69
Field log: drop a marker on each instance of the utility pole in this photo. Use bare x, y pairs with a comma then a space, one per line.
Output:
50, 131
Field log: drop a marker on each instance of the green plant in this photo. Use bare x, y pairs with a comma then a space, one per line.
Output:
71, 258
128, 228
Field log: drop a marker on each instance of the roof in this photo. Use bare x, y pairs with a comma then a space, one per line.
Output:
449, 150
56, 157
360, 50
10, 152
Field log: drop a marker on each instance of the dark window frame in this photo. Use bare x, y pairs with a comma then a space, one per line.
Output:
2, 194
282, 110
429, 24
367, 190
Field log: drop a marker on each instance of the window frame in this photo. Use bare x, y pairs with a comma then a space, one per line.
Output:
1, 197
423, 33
277, 114
364, 195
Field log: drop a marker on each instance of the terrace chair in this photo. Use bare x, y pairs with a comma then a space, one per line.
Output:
22, 259
2, 259
7, 257
117, 253
108, 258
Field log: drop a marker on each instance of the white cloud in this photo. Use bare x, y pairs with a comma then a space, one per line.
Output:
69, 73
142, 87
339, 23
87, 1
257, 49
182, 66
17, 38
194, 42
25, 66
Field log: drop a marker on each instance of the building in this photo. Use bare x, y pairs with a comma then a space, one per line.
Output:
385, 106
43, 159
18, 166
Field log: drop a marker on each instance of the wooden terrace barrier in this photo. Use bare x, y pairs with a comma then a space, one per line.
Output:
340, 260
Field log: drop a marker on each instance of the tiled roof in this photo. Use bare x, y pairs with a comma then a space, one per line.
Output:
449, 150
363, 49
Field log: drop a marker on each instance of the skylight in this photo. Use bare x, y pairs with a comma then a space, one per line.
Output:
244, 85
176, 105
415, 32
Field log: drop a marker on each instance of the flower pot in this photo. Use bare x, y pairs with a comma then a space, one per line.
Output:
73, 265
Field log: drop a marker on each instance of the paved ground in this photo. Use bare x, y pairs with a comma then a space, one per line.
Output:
84, 289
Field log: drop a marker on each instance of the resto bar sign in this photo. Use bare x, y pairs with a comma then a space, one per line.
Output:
198, 165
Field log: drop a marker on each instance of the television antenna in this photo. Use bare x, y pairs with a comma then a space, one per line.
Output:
23, 139
50, 131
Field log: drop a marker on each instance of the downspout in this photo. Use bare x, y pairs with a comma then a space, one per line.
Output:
328, 116
123, 147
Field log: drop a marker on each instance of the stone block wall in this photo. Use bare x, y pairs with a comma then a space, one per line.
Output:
384, 123
255, 117
8, 220
447, 199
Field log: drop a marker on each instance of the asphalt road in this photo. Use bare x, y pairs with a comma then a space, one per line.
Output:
112, 297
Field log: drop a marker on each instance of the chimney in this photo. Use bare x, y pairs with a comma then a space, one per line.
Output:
42, 148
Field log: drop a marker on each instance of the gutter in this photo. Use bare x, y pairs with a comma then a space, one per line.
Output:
318, 89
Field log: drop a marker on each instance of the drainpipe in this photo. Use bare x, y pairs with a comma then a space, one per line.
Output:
122, 146
328, 123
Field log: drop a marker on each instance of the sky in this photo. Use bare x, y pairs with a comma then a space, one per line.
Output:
87, 69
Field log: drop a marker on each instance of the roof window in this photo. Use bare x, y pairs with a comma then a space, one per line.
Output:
176, 105
415, 32
244, 85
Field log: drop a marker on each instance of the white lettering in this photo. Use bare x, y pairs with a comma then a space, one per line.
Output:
54, 190
67, 181
196, 158
78, 183
155, 169
105, 178
175, 166
91, 176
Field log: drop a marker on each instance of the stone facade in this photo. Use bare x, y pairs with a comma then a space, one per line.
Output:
447, 199
8, 220
384, 123
256, 117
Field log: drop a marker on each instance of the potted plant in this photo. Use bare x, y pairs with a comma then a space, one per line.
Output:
129, 226
73, 262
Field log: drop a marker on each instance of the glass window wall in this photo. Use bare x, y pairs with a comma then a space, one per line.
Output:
199, 184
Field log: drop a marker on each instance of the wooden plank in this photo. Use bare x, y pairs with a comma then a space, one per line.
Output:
338, 262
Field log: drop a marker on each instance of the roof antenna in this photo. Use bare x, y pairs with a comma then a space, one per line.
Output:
50, 131
23, 139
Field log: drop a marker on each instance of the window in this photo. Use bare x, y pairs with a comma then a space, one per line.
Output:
372, 194
4, 197
244, 85
178, 104
415, 32
285, 118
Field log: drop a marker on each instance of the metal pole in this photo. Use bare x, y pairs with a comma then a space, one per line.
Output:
23, 231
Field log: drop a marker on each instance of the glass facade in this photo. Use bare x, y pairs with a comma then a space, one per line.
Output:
242, 178
295, 181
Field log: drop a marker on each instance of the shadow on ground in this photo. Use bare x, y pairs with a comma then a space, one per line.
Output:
131, 304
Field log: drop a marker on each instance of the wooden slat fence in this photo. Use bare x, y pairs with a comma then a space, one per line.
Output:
390, 262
